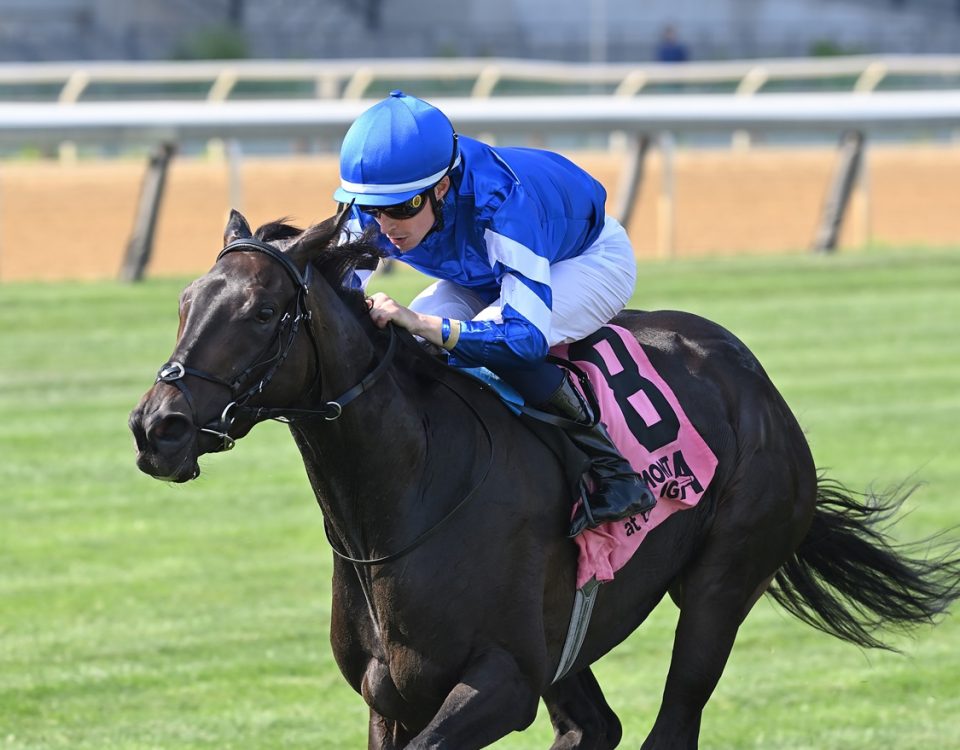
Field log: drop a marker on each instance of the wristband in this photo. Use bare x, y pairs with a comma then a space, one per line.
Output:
449, 333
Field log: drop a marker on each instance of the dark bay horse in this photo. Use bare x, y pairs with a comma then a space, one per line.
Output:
450, 618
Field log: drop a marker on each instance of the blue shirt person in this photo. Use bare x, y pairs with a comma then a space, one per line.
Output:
522, 250
670, 49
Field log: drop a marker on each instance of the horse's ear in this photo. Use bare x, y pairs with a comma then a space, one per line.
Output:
319, 237
343, 211
237, 228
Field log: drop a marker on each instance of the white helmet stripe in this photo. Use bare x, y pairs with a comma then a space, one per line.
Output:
366, 188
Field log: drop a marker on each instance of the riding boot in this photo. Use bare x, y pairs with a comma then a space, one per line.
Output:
619, 492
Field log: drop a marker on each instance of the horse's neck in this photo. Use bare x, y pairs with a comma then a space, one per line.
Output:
366, 463
365, 468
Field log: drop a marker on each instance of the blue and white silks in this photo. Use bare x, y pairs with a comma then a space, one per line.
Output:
510, 215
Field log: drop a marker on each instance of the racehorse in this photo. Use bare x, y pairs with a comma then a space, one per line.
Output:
453, 578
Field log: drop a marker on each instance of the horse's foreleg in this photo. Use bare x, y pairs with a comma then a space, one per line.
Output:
581, 718
492, 699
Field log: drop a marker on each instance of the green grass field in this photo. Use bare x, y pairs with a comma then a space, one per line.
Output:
135, 614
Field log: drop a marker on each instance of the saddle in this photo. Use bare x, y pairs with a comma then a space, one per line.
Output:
549, 428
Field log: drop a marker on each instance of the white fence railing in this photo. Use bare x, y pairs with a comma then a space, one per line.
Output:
353, 79
149, 122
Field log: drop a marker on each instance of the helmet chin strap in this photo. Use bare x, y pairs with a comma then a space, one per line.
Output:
436, 204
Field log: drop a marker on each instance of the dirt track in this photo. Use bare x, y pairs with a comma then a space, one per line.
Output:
73, 221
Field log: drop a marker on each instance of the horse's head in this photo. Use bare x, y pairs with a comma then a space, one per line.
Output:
243, 341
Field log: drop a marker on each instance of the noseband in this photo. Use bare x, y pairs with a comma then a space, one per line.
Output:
284, 337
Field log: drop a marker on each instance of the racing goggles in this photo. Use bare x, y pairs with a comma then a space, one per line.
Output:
406, 210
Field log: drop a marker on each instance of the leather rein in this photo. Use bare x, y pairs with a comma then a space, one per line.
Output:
244, 386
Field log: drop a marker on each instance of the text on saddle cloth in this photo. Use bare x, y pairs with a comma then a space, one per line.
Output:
653, 433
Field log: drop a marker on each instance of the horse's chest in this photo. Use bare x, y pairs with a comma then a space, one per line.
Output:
405, 684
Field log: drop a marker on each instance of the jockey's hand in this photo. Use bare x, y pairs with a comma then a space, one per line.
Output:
384, 309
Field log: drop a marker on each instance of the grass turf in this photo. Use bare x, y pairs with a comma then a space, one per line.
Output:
135, 614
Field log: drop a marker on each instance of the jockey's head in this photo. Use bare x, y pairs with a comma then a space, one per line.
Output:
395, 150
393, 157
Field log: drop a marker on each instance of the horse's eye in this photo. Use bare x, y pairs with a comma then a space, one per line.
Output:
264, 314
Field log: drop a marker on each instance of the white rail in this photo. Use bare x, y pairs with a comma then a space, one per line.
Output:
352, 79
149, 122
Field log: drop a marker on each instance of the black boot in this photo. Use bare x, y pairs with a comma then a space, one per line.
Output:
619, 491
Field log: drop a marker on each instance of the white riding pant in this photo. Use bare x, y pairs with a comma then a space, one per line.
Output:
588, 290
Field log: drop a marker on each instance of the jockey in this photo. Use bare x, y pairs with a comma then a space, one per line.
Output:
524, 255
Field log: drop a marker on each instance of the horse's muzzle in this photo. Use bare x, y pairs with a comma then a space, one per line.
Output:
166, 441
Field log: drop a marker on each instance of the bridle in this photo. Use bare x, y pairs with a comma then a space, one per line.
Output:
245, 386
173, 373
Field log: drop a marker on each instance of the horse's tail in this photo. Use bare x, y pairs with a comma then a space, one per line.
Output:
847, 579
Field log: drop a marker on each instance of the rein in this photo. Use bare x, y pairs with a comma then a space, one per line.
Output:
443, 521
332, 410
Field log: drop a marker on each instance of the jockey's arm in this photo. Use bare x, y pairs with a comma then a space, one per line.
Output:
510, 342
472, 343
518, 337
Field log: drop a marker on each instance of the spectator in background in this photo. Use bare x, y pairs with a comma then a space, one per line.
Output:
669, 48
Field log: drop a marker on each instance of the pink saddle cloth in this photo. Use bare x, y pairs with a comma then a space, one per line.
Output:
646, 423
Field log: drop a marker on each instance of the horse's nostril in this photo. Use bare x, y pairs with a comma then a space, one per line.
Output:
171, 429
136, 427
139, 438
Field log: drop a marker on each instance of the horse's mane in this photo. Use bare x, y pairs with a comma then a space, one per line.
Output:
335, 263
275, 231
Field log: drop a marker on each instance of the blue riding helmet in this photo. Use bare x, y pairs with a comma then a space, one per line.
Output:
396, 149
